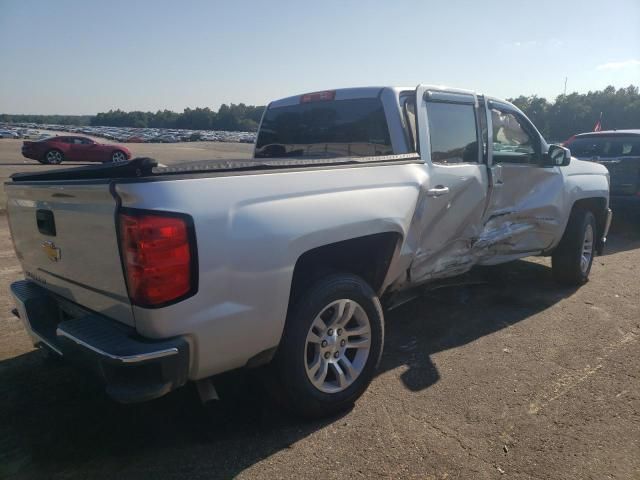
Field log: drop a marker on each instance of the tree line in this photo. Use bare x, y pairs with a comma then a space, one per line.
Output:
232, 117
79, 120
576, 113
557, 120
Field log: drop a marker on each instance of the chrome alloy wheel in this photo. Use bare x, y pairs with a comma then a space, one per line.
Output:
337, 346
587, 249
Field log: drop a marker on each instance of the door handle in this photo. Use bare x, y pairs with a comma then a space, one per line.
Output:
438, 191
46, 222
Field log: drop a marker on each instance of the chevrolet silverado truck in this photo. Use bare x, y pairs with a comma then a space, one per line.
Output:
156, 276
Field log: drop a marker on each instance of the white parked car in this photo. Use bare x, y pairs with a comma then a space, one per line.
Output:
9, 134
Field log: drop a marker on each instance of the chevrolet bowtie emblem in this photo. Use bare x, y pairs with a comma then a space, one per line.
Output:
53, 252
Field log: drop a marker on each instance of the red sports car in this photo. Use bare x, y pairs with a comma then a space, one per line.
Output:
55, 150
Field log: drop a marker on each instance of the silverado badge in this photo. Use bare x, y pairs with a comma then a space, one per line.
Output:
53, 252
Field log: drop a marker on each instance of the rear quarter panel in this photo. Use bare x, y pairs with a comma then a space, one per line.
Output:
250, 231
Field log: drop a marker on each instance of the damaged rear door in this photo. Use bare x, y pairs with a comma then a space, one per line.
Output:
449, 214
525, 199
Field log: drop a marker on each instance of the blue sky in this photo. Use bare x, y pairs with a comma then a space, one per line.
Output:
81, 57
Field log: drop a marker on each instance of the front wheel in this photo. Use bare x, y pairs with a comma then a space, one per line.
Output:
572, 259
331, 346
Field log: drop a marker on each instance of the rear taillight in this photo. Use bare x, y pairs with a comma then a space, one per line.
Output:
327, 95
158, 253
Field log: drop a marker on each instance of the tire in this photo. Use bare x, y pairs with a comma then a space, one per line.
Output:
572, 259
118, 156
53, 157
338, 321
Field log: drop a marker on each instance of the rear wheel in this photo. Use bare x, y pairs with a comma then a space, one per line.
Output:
53, 157
118, 157
331, 346
572, 259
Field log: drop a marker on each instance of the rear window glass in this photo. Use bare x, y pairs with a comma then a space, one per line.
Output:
337, 128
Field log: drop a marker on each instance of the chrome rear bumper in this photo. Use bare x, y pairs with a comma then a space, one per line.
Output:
133, 368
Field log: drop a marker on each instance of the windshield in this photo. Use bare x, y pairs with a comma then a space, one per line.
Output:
337, 128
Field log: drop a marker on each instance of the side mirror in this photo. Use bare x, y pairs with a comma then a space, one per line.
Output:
556, 156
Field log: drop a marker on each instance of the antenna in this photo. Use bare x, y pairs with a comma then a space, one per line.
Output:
565, 86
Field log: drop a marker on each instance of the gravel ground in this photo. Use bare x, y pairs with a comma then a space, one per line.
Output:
508, 377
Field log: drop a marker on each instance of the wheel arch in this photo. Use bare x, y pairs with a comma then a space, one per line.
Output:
367, 256
116, 150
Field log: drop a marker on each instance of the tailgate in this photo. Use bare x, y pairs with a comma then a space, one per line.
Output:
66, 240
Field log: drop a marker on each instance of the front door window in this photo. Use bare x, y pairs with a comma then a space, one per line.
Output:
512, 143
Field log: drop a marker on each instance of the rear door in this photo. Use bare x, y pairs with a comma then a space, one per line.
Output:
453, 202
621, 156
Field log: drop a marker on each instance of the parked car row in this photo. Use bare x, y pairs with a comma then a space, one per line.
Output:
144, 135
12, 132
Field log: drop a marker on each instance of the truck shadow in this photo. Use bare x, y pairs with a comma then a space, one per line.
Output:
56, 422
495, 298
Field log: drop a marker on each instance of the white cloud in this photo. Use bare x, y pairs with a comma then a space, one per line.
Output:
528, 43
619, 65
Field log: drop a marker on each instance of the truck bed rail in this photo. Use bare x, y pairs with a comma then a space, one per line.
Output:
145, 167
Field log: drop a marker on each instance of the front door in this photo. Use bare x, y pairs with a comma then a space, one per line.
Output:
82, 150
454, 197
525, 202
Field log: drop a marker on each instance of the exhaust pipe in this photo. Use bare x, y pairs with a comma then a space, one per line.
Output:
207, 390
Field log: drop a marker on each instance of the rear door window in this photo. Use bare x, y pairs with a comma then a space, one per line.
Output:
453, 133
630, 147
320, 129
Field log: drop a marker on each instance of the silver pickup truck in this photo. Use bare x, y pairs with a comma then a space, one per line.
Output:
155, 276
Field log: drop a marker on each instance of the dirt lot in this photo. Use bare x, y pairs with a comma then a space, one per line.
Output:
512, 377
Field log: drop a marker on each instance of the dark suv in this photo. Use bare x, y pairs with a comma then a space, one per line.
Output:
619, 151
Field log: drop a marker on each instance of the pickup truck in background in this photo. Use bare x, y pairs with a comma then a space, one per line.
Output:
156, 276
